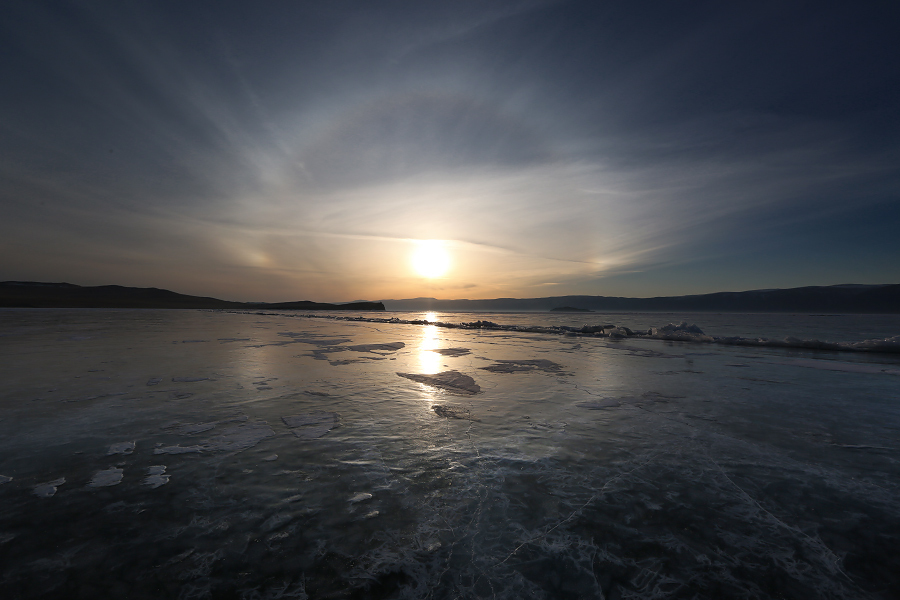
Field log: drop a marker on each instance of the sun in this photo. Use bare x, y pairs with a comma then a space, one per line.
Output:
430, 258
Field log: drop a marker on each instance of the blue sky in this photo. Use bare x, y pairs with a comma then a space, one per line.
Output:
304, 150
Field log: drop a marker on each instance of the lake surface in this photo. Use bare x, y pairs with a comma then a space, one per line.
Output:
201, 454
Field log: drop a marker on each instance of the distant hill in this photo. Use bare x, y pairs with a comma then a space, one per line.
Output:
849, 298
30, 294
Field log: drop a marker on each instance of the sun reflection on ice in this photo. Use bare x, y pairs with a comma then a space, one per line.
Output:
429, 362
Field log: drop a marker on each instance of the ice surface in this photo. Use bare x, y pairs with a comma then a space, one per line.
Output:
649, 470
106, 478
240, 437
312, 425
453, 411
45, 490
518, 366
5, 479
121, 448
178, 449
451, 381
452, 351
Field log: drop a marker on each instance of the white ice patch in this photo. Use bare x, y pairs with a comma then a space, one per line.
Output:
5, 478
270, 458
111, 476
312, 425
360, 497
121, 448
45, 490
156, 476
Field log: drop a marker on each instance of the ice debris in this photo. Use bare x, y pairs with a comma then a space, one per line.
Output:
106, 478
360, 497
5, 479
45, 490
451, 381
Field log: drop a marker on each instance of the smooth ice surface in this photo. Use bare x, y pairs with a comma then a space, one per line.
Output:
508, 456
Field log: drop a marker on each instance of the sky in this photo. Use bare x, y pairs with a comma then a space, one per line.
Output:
369, 150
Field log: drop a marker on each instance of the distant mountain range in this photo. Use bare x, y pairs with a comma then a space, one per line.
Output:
30, 294
848, 298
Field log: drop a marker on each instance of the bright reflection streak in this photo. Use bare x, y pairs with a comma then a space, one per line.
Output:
429, 362
430, 316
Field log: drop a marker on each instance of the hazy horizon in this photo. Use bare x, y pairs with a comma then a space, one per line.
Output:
394, 150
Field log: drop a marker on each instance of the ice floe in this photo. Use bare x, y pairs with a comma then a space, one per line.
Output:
5, 479
121, 448
107, 477
240, 437
312, 425
451, 381
45, 490
189, 379
156, 476
360, 497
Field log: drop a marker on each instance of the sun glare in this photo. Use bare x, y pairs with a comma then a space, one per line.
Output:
430, 258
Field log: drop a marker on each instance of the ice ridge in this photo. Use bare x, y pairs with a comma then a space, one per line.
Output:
678, 332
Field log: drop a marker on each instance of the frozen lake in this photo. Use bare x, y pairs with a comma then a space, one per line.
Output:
193, 454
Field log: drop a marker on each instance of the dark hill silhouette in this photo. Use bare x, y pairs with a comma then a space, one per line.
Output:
848, 298
30, 294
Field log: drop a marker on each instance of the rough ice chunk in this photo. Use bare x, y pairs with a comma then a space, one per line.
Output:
5, 478
189, 379
154, 380
106, 478
45, 490
451, 381
360, 497
121, 448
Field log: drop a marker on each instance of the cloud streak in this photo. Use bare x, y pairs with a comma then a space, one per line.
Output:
296, 150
